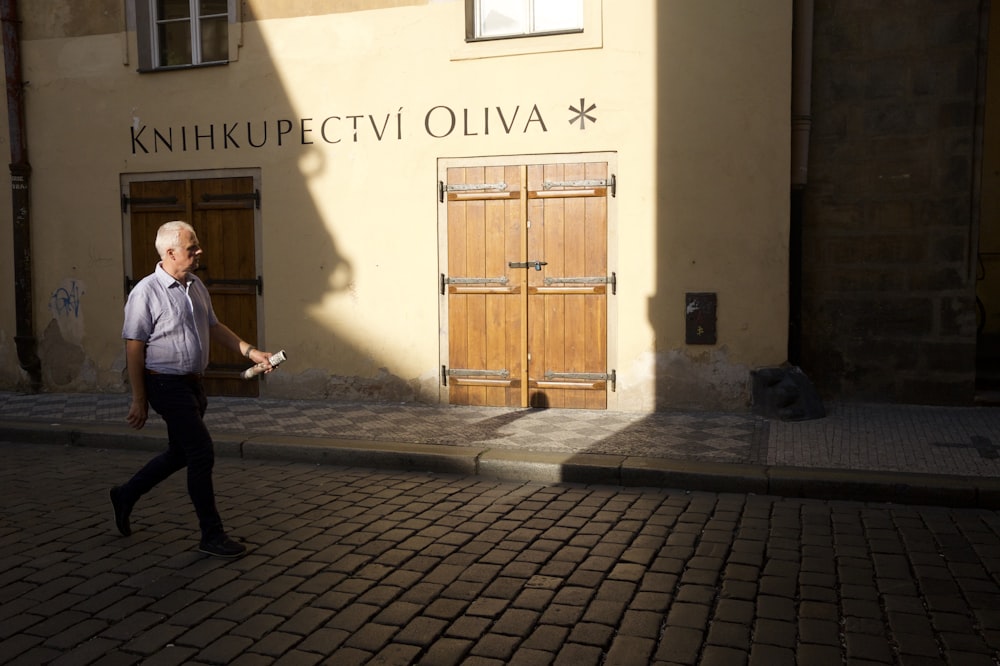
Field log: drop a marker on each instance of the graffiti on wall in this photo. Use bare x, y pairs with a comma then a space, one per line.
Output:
65, 304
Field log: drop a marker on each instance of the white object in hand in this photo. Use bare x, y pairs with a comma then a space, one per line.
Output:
273, 362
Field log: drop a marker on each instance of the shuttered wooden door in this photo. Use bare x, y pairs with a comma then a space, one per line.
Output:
527, 285
567, 297
485, 296
223, 217
221, 210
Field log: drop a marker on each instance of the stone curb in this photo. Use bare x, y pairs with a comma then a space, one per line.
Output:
544, 467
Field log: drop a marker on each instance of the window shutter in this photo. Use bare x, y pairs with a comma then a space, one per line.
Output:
144, 34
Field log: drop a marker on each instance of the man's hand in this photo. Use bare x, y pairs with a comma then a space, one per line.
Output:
138, 412
258, 356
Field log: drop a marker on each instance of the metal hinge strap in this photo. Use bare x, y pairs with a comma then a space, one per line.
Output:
236, 282
612, 280
577, 280
127, 201
445, 281
235, 196
593, 182
455, 372
460, 373
586, 376
443, 189
611, 182
485, 280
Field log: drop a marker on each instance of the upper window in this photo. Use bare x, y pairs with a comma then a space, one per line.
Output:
182, 33
499, 19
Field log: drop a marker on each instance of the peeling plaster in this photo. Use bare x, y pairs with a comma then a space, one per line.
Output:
676, 379
63, 363
316, 384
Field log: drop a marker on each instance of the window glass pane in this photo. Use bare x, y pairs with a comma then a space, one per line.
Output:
502, 17
172, 9
553, 15
175, 43
214, 40
213, 7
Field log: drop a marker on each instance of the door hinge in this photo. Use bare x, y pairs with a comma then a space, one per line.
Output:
610, 183
443, 189
612, 280
611, 377
455, 372
445, 281
259, 282
128, 201
234, 196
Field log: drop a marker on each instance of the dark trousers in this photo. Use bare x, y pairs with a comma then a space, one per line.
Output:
180, 400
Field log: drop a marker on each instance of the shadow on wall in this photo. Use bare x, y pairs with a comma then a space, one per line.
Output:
684, 428
322, 270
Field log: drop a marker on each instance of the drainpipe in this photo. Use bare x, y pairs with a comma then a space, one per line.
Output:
802, 45
20, 178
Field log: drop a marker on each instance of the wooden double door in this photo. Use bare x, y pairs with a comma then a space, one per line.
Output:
527, 284
222, 212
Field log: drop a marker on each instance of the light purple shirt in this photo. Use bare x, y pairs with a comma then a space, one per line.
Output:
173, 319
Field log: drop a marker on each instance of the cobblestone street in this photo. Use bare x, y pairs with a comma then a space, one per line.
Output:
350, 566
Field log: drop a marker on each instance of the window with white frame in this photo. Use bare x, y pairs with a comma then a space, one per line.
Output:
499, 19
182, 33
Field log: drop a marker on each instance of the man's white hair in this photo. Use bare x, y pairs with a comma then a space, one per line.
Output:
168, 236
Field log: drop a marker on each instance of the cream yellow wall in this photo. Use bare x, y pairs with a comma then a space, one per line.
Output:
692, 97
722, 193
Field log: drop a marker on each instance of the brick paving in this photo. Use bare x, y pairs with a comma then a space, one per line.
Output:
355, 566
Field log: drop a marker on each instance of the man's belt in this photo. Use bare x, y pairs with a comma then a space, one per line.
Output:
184, 375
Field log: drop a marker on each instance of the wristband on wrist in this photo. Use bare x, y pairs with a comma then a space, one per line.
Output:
250, 348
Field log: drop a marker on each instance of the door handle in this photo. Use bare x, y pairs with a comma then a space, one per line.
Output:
537, 265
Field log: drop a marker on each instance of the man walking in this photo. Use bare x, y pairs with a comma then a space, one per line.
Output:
169, 323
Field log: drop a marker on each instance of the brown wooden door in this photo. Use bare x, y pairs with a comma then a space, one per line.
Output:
221, 210
485, 296
527, 285
567, 297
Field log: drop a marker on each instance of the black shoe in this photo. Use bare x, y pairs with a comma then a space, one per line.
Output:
222, 546
122, 511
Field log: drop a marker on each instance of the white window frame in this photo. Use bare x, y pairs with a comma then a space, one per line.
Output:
147, 36
591, 36
474, 21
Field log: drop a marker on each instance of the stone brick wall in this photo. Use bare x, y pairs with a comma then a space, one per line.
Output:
888, 230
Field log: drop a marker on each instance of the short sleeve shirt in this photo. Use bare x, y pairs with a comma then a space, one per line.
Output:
173, 319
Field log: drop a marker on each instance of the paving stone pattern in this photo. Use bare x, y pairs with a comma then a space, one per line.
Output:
710, 436
962, 441
351, 566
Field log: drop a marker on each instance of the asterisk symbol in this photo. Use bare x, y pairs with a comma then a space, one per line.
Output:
582, 114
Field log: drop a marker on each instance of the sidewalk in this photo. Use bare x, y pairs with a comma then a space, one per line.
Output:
900, 453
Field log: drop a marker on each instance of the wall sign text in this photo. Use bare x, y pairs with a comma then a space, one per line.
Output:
438, 122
